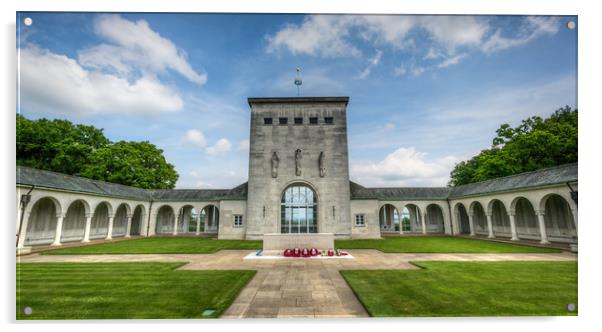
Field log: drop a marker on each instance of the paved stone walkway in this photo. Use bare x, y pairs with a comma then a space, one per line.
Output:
296, 287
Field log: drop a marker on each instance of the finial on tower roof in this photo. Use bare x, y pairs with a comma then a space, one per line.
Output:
298, 80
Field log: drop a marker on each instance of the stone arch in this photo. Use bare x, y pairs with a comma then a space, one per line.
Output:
525, 218
559, 221
120, 220
479, 218
435, 221
165, 220
99, 226
41, 224
411, 218
462, 217
209, 216
388, 218
187, 219
74, 223
500, 220
137, 220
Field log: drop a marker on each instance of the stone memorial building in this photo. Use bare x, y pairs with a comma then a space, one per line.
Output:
298, 182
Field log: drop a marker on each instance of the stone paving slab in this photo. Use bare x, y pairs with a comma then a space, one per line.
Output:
296, 287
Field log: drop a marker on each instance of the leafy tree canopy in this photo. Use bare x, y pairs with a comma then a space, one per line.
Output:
138, 164
535, 144
61, 146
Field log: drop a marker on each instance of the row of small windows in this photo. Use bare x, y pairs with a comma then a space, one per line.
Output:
298, 121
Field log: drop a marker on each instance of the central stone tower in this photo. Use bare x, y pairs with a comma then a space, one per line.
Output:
298, 167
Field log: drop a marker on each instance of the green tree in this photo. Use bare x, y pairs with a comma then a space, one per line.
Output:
535, 144
56, 145
138, 164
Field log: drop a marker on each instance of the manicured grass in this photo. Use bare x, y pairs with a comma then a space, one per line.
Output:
439, 244
123, 290
468, 289
161, 245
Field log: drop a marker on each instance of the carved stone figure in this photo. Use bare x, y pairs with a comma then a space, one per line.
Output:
321, 164
298, 158
275, 162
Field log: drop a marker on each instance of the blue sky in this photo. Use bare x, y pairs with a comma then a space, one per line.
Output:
426, 91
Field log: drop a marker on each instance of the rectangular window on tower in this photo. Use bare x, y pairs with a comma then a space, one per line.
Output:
328, 120
313, 121
283, 121
298, 121
267, 121
237, 220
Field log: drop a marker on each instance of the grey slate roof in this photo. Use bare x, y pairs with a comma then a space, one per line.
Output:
47, 179
406, 193
544, 177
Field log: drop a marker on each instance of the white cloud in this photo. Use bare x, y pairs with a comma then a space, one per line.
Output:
195, 138
321, 35
403, 167
389, 126
373, 62
134, 46
532, 28
244, 145
411, 69
454, 60
57, 84
222, 146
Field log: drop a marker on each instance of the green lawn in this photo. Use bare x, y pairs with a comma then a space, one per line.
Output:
438, 244
468, 289
123, 290
161, 245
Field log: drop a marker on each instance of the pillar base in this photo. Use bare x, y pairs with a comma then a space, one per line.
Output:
473, 234
85, 241
108, 238
514, 239
55, 244
491, 236
544, 242
128, 235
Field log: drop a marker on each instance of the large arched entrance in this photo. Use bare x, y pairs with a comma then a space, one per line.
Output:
388, 218
41, 226
299, 210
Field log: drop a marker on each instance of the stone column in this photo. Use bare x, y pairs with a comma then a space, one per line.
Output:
87, 228
513, 227
175, 226
23, 234
575, 215
399, 214
59, 229
471, 223
542, 226
423, 221
110, 230
128, 227
490, 226
152, 228
198, 224
206, 222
